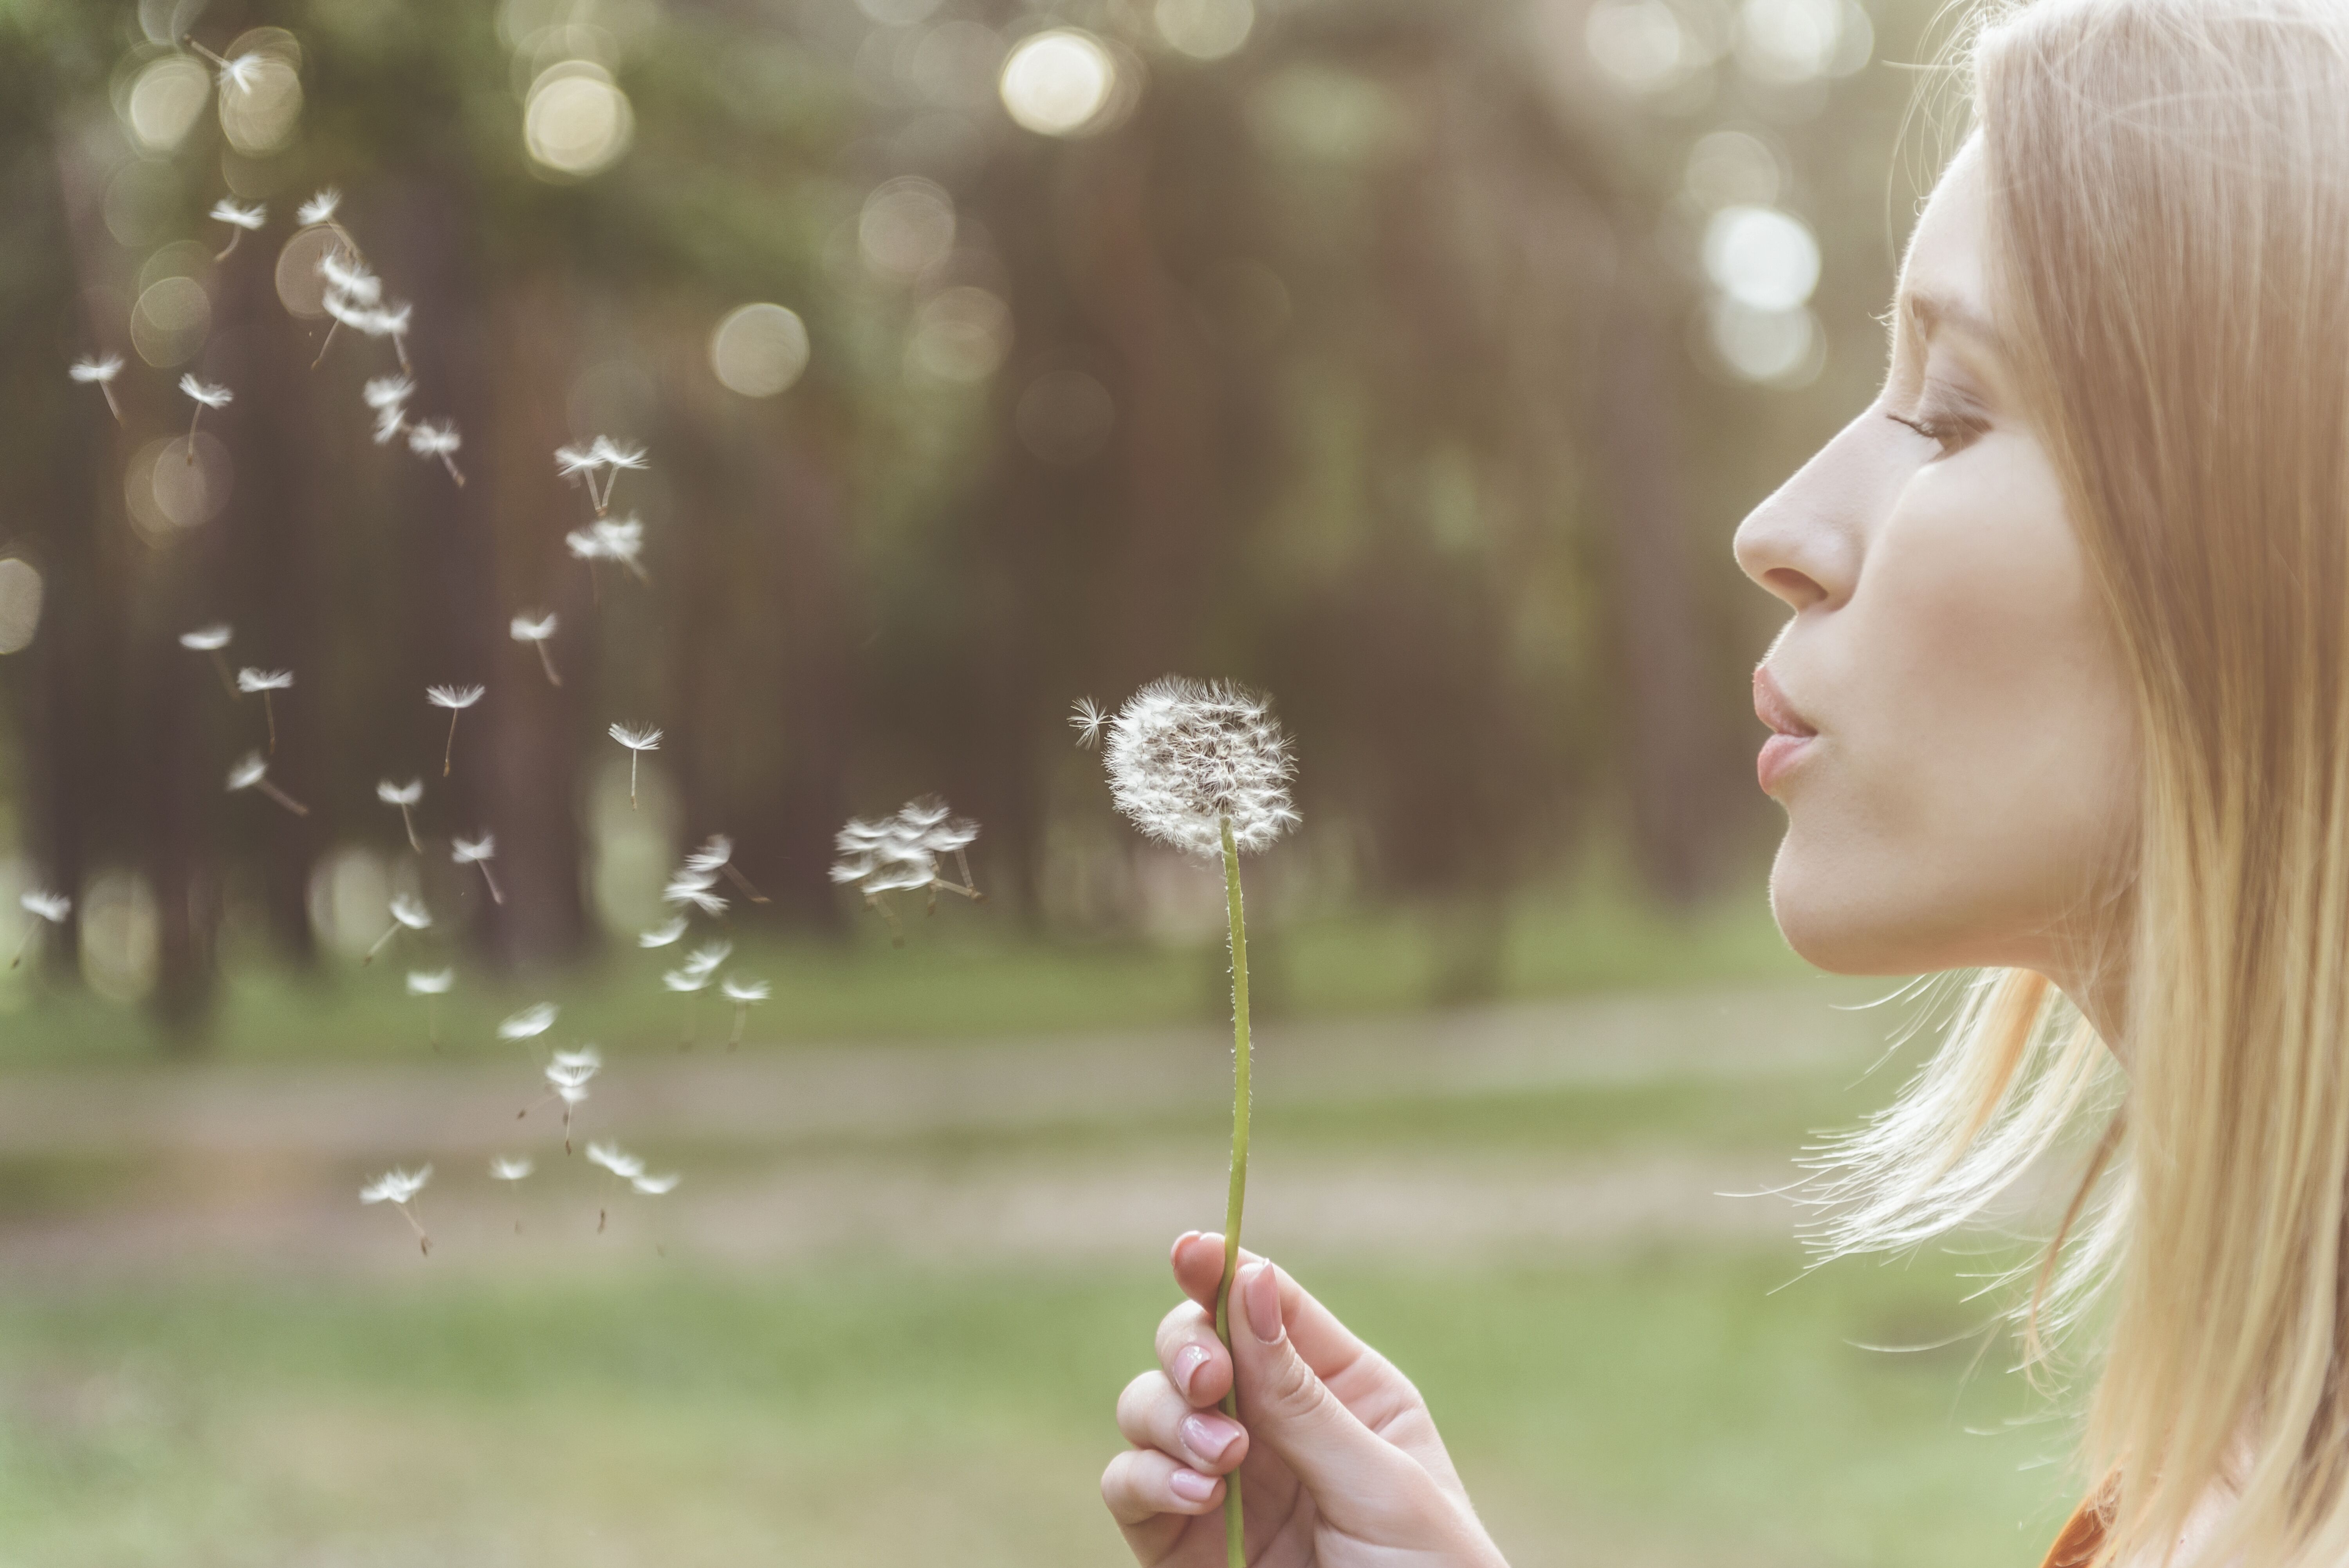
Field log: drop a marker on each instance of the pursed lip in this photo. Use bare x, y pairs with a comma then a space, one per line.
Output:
1791, 734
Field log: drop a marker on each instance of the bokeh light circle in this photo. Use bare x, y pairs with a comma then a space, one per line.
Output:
170, 320
577, 121
1205, 29
301, 286
759, 350
20, 604
1639, 44
1057, 82
1777, 348
1761, 257
261, 116
961, 333
164, 100
906, 226
164, 493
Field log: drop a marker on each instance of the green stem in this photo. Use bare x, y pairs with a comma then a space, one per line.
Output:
1235, 1555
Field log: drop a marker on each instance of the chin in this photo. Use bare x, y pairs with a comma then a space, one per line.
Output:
1827, 919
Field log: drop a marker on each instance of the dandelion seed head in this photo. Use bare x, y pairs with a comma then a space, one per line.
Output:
434, 440
391, 321
571, 1094
511, 1166
635, 740
744, 990
704, 959
431, 983
320, 208
211, 394
578, 1065
453, 697
698, 891
473, 851
225, 211
609, 454
686, 980
409, 911
207, 638
530, 628
396, 1185
1184, 754
531, 1023
389, 423
571, 459
607, 539
51, 907
248, 771
653, 1186
900, 853
348, 279
712, 857
391, 793
99, 371
662, 935
249, 680
616, 1159
1086, 717
241, 72
388, 391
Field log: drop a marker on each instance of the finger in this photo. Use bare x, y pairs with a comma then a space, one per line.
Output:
1152, 1414
1195, 1360
1327, 1345
1143, 1483
1357, 1478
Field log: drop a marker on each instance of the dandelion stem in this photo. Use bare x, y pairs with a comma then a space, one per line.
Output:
117, 408
496, 897
449, 752
326, 343
269, 711
281, 797
633, 754
432, 1021
379, 943
446, 460
422, 1241
409, 823
897, 932
741, 1020
1234, 1556
198, 414
228, 681
32, 928
234, 235
744, 883
546, 662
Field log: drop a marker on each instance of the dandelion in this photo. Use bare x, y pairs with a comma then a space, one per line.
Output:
249, 681
320, 208
398, 1188
620, 539
211, 639
1086, 717
567, 1073
536, 630
239, 219
404, 797
100, 373
251, 772
662, 935
603, 455
638, 743
238, 74
744, 994
432, 985
704, 959
653, 1186
456, 699
351, 290
408, 914
1205, 768
716, 858
430, 440
690, 982
531, 1023
207, 395
478, 852
691, 887
620, 1163
940, 832
47, 908
511, 1166
900, 854
388, 396
391, 321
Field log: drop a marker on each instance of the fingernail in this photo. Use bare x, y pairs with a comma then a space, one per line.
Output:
1261, 1295
1191, 1486
1210, 1439
1175, 1253
1187, 1365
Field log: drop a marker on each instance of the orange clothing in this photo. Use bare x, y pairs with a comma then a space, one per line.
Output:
2083, 1533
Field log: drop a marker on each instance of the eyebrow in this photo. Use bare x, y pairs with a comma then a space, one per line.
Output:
1932, 311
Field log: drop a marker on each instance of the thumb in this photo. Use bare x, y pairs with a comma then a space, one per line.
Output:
1349, 1469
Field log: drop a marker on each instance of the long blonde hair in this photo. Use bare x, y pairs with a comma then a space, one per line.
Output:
2170, 263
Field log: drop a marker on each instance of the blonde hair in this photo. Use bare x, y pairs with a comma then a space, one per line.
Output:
2170, 262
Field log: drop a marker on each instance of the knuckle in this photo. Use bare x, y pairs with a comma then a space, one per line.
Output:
1136, 1401
1290, 1385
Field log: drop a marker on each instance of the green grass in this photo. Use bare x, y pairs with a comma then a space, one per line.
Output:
966, 973
1671, 1409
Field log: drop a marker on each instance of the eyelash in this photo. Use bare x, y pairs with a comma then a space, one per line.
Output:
1948, 435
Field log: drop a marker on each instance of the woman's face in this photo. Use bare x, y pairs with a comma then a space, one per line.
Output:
1955, 748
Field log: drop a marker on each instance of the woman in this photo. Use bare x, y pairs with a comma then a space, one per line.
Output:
2064, 698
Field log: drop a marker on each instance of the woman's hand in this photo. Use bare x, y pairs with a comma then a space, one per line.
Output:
1339, 1461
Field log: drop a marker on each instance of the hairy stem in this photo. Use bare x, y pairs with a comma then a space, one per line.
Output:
449, 753
409, 823
1234, 1555
546, 662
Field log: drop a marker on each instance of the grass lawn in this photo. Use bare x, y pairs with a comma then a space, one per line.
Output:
1665, 1410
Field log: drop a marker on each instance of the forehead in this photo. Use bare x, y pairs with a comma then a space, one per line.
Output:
1948, 250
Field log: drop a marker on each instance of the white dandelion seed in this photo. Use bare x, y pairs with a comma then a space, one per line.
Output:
238, 75
618, 539
348, 281
404, 797
320, 208
900, 854
478, 852
616, 1159
716, 858
704, 959
511, 1166
432, 985
438, 440
388, 396
567, 1074
744, 994
408, 914
47, 908
250, 680
1086, 717
456, 699
686, 888
209, 640
662, 935
251, 772
100, 372
537, 630
531, 1023
239, 219
638, 741
398, 1189
653, 1186
1189, 760
603, 455
690, 980
206, 395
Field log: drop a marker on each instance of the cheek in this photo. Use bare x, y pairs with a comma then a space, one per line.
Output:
1977, 773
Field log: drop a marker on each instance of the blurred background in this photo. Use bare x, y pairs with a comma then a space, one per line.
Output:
1413, 362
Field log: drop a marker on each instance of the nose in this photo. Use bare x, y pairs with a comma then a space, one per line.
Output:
1803, 545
